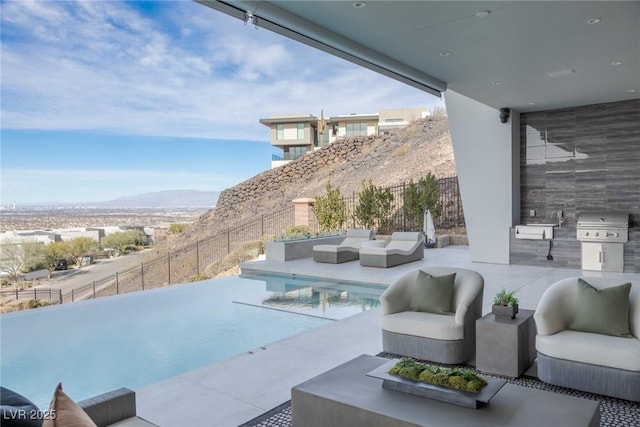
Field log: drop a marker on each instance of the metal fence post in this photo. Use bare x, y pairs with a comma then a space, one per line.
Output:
35, 294
60, 295
117, 284
17, 294
72, 296
169, 267
198, 257
142, 274
94, 289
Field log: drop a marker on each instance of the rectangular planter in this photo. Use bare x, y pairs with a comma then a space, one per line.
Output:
505, 311
436, 392
297, 249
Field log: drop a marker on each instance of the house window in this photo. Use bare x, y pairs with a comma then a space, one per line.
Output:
279, 131
300, 130
295, 152
356, 129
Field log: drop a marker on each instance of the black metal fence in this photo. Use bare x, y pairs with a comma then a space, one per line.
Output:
53, 296
452, 215
191, 261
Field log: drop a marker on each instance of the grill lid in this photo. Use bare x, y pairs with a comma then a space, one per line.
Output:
603, 219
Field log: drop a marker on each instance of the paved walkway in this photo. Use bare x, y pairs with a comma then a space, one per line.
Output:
233, 391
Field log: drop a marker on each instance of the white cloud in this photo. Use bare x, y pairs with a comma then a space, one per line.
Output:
191, 72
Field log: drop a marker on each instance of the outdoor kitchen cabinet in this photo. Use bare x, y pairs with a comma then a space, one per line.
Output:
602, 256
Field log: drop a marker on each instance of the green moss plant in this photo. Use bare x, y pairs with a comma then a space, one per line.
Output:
456, 378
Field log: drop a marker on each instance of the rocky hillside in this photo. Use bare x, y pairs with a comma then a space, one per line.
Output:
424, 146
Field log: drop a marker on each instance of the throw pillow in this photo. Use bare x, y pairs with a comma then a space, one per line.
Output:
17, 410
602, 311
433, 294
64, 412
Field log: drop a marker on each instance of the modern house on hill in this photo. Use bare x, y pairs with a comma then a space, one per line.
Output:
298, 134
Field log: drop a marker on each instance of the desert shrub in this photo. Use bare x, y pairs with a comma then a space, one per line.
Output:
375, 207
403, 150
425, 194
252, 249
197, 278
298, 232
330, 209
178, 228
247, 251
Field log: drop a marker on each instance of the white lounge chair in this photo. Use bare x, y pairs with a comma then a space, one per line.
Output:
348, 250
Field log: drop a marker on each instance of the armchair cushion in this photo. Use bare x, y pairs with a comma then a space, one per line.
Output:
425, 325
602, 311
592, 349
433, 294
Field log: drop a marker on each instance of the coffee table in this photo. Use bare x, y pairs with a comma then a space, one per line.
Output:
345, 396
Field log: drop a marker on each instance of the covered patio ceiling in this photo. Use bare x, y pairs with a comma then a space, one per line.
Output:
524, 55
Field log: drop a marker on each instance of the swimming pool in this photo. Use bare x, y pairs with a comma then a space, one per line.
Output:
139, 338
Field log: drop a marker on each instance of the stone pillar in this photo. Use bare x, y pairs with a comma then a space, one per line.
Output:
304, 214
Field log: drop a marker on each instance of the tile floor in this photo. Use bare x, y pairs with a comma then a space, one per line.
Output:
235, 390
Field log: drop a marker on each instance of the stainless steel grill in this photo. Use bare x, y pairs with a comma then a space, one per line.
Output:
603, 227
603, 235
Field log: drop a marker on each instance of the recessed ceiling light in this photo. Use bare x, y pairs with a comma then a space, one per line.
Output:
496, 83
532, 103
360, 4
593, 21
445, 53
616, 63
483, 13
631, 90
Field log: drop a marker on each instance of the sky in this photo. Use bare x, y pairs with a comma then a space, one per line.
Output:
104, 99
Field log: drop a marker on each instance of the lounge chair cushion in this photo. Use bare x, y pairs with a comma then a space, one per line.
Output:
594, 349
67, 412
602, 311
425, 325
433, 294
17, 410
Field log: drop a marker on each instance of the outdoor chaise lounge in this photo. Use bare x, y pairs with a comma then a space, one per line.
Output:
420, 320
402, 248
588, 336
348, 250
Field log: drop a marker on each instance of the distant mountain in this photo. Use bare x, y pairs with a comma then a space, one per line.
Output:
166, 199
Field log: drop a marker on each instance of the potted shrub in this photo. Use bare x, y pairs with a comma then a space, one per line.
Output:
505, 304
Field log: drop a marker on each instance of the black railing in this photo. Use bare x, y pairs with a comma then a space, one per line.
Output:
52, 295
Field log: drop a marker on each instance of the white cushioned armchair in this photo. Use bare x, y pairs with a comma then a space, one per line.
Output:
429, 336
587, 361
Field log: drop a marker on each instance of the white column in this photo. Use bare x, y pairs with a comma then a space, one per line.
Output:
487, 154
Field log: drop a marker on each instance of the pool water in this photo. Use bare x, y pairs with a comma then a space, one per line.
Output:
139, 338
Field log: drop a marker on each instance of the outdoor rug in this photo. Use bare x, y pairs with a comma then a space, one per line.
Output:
614, 412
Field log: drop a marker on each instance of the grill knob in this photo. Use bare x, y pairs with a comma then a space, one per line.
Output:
597, 234
616, 234
586, 233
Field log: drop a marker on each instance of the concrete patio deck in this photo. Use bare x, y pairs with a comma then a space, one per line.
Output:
236, 390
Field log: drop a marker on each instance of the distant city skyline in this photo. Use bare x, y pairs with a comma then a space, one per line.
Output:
105, 99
